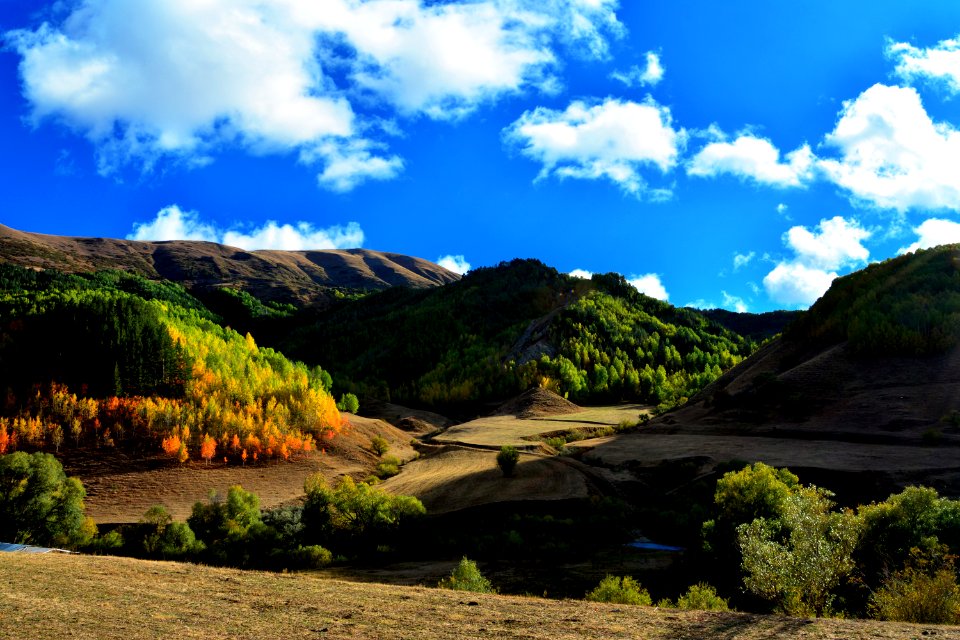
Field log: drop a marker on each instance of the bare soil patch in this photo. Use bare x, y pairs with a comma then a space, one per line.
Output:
536, 403
103, 597
121, 487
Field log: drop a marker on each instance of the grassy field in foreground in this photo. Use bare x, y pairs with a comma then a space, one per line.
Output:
100, 597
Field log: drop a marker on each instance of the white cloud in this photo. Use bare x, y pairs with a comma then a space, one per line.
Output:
793, 283
741, 260
651, 74
892, 154
613, 140
940, 63
581, 273
818, 255
701, 303
301, 236
457, 264
179, 79
649, 284
837, 244
348, 165
782, 208
734, 303
753, 158
934, 232
172, 223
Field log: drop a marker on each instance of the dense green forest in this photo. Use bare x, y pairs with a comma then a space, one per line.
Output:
909, 305
501, 330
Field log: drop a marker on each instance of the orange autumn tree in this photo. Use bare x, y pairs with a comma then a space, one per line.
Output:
171, 445
208, 448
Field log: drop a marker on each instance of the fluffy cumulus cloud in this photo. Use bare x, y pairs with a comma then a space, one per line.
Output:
650, 74
649, 284
934, 232
612, 140
173, 223
161, 79
892, 154
756, 159
457, 264
939, 64
582, 273
818, 255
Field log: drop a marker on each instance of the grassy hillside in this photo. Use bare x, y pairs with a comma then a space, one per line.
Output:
301, 277
138, 600
501, 330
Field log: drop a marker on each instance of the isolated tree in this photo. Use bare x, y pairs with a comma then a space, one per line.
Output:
208, 447
39, 504
349, 403
507, 459
799, 558
756, 491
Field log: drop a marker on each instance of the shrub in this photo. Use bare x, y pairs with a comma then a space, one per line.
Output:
312, 557
387, 468
507, 459
623, 590
560, 444
379, 445
925, 591
466, 577
702, 597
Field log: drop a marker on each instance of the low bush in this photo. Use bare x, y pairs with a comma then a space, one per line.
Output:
925, 591
702, 597
466, 577
507, 459
617, 590
387, 468
379, 445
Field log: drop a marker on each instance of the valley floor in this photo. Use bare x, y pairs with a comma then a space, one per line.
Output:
55, 596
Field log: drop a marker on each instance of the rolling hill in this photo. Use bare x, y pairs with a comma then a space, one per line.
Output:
861, 394
298, 277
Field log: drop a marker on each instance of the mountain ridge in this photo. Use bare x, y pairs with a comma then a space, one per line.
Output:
303, 277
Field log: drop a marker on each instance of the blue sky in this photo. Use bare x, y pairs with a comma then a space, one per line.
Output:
736, 154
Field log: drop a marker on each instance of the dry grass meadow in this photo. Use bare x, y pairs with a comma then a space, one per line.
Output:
55, 596
120, 488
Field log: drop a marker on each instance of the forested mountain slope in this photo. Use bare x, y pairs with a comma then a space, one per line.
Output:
112, 359
501, 330
877, 354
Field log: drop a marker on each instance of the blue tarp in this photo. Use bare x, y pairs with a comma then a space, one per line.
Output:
25, 548
653, 546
